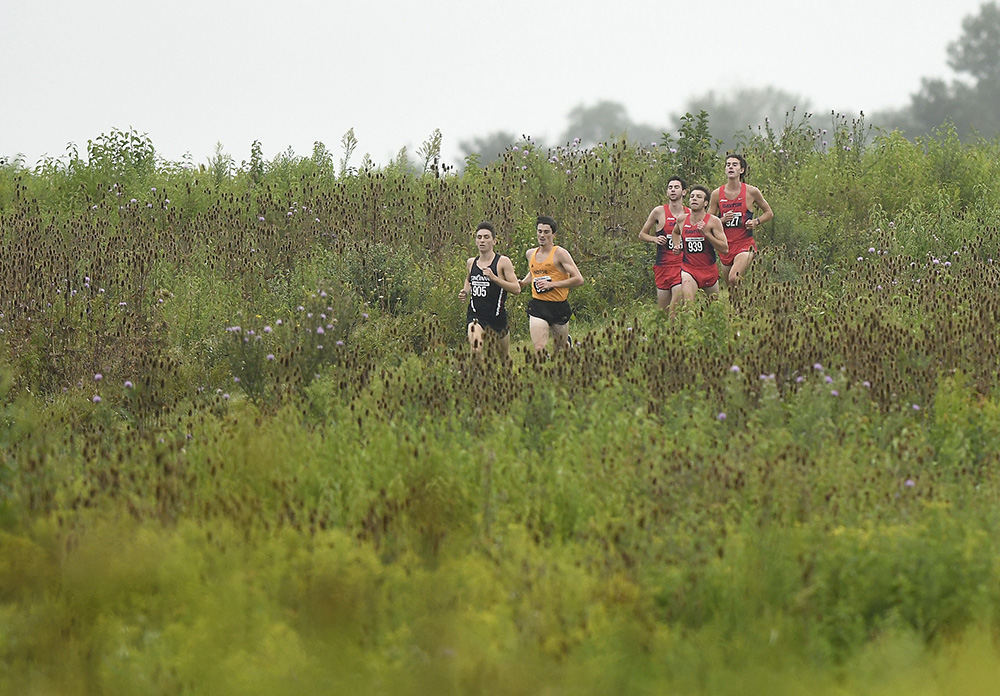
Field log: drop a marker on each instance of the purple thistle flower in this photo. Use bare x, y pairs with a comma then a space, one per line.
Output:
270, 356
909, 483
128, 384
828, 379
96, 399
734, 369
721, 416
340, 343
319, 330
98, 377
817, 366
834, 392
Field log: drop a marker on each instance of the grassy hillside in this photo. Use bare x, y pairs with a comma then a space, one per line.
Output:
244, 450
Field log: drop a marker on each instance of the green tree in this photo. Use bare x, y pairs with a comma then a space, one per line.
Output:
489, 147
971, 103
733, 113
606, 120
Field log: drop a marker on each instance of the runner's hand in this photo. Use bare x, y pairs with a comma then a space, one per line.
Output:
662, 240
463, 293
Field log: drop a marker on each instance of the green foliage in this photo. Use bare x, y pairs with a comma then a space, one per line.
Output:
795, 481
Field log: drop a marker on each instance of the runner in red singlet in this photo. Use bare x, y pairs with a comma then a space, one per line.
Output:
700, 235
733, 203
667, 266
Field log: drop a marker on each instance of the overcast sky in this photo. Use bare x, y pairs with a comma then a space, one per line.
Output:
191, 73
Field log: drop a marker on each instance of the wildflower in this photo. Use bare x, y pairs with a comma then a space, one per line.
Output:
947, 263
735, 369
817, 366
122, 304
225, 397
721, 416
96, 399
767, 378
279, 322
834, 392
364, 315
909, 483
916, 407
828, 379
98, 377
800, 379
319, 347
319, 330
673, 151
569, 171
866, 384
128, 384
871, 250
861, 258
261, 218
270, 356
340, 343
153, 189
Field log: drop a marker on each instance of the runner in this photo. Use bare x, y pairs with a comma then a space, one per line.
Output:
702, 236
489, 277
732, 202
551, 272
667, 266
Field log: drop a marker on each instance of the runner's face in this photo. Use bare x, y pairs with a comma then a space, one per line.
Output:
484, 240
674, 191
733, 168
696, 200
545, 234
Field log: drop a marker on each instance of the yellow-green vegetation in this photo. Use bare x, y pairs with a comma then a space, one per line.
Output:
244, 449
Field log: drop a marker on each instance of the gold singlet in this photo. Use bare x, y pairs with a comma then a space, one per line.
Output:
547, 269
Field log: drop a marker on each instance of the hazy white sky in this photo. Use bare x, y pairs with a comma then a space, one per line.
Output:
191, 73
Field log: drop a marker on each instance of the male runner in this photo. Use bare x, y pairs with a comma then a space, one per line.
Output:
702, 236
732, 203
489, 277
551, 272
667, 266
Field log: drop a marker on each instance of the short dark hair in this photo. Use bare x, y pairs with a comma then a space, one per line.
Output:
743, 164
677, 178
486, 225
546, 220
699, 187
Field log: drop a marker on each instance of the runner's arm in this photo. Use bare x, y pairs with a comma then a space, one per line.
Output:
675, 236
716, 235
506, 279
569, 266
713, 203
754, 194
653, 223
466, 287
527, 276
